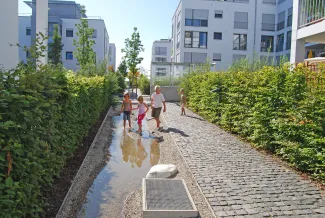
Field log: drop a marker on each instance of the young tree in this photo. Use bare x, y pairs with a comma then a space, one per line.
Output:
132, 50
84, 46
55, 48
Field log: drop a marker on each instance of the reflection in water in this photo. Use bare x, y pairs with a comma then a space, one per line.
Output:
134, 152
131, 159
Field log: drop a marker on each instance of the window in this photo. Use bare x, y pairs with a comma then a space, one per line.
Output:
27, 54
196, 39
240, 42
281, 21
28, 31
217, 36
241, 20
94, 34
161, 71
192, 57
267, 43
161, 51
289, 21
218, 14
196, 17
69, 55
216, 57
288, 45
69, 33
268, 22
280, 42
178, 40
179, 20
161, 59
281, 1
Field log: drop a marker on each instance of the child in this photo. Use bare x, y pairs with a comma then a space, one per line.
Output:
143, 109
157, 100
183, 102
126, 108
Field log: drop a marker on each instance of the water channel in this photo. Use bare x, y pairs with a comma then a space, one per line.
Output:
132, 156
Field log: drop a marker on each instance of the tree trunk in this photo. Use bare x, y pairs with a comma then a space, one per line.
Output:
136, 87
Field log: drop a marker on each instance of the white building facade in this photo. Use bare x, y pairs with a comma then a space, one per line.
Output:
308, 29
9, 34
65, 14
161, 58
112, 55
224, 31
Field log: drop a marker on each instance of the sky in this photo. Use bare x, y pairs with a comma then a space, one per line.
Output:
153, 18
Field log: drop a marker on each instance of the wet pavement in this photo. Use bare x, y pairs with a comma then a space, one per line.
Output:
132, 156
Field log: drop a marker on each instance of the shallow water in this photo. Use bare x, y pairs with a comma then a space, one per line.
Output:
131, 158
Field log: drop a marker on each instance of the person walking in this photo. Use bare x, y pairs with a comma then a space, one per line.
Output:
157, 101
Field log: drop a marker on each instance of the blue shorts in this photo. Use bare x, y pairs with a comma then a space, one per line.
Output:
126, 115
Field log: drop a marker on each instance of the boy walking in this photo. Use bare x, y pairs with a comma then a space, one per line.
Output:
157, 101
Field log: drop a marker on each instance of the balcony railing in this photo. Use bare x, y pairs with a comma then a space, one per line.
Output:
268, 27
240, 25
311, 11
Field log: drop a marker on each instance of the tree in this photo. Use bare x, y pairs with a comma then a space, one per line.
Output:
123, 68
55, 48
132, 50
84, 46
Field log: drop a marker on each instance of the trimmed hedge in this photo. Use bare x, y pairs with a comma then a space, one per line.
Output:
44, 115
277, 110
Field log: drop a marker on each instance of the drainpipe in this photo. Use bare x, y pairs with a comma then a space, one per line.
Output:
255, 20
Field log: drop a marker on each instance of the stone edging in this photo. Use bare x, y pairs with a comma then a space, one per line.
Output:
87, 171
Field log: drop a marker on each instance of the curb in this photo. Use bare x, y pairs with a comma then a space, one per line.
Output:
179, 150
60, 213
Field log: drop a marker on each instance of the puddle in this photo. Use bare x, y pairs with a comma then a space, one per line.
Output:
131, 158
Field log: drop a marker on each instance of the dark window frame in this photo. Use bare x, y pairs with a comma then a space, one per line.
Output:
217, 34
70, 31
268, 43
68, 53
239, 43
28, 31
205, 43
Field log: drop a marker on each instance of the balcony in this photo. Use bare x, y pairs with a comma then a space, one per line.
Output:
311, 12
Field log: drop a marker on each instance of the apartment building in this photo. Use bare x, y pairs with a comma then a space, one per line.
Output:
112, 55
65, 14
161, 58
224, 31
9, 34
308, 29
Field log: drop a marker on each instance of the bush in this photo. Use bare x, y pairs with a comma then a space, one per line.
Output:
276, 109
44, 115
144, 85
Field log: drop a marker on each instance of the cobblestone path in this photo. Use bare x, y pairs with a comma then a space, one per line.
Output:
237, 180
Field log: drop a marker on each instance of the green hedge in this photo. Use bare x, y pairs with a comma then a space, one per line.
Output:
275, 109
44, 115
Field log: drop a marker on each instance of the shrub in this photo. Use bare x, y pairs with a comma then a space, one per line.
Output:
44, 115
276, 109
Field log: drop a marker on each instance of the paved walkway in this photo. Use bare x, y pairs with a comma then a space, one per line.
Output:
237, 180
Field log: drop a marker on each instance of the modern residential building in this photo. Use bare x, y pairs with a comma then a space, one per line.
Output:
161, 58
308, 29
112, 55
223, 31
66, 14
9, 34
